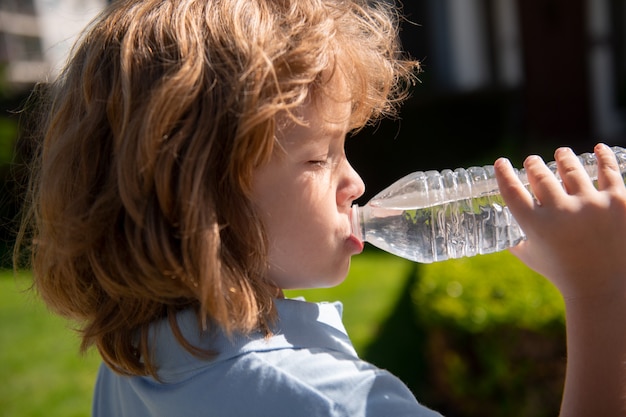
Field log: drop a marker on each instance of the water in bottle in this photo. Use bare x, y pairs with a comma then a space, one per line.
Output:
433, 216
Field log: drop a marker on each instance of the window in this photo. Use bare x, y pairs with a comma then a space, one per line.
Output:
618, 38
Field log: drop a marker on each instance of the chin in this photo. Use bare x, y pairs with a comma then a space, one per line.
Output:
322, 282
336, 278
332, 283
328, 278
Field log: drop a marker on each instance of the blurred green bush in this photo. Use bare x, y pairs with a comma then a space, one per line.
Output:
481, 336
8, 197
8, 136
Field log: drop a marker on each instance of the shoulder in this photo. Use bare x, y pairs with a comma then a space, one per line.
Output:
319, 381
278, 383
307, 368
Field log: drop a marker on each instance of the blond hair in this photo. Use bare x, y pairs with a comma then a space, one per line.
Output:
140, 199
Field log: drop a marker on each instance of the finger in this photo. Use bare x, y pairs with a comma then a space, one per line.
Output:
543, 183
573, 175
515, 194
609, 175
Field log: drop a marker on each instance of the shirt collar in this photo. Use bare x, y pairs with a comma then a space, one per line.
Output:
300, 325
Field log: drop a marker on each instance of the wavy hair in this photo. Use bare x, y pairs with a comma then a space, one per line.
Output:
140, 194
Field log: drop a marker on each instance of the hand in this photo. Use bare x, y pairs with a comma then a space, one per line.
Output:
576, 237
576, 234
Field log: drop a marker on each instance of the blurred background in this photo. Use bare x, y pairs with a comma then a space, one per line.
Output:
480, 336
500, 77
503, 77
35, 38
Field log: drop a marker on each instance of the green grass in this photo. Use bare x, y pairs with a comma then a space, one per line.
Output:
41, 370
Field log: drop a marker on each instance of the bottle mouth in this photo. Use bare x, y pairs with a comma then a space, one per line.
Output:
355, 223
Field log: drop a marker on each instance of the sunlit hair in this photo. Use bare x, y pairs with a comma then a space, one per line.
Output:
140, 194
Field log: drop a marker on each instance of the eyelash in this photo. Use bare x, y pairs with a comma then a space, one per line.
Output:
320, 163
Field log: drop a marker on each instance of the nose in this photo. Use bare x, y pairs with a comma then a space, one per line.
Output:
351, 187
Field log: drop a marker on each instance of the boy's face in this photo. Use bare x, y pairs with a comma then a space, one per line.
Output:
304, 197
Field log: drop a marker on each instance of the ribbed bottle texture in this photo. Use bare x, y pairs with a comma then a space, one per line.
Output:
433, 216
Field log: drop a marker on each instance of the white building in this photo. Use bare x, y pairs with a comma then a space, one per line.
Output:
481, 45
576, 82
35, 36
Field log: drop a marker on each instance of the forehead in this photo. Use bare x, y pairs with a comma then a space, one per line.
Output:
319, 122
328, 107
333, 93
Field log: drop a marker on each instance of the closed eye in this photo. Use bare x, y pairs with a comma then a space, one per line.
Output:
319, 162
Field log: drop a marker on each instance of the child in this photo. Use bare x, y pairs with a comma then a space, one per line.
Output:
192, 167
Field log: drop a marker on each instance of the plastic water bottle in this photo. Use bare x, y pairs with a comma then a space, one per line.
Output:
433, 216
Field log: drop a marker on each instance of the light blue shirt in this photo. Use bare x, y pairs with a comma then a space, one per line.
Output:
307, 368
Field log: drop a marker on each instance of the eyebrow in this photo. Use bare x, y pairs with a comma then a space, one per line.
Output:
335, 129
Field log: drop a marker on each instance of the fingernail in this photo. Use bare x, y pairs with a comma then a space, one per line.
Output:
562, 151
502, 162
532, 159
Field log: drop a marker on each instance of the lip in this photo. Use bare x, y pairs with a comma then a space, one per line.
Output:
356, 244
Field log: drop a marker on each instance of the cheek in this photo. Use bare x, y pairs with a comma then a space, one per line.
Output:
292, 218
297, 210
297, 223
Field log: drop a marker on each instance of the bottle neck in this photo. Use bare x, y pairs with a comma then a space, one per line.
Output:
356, 223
